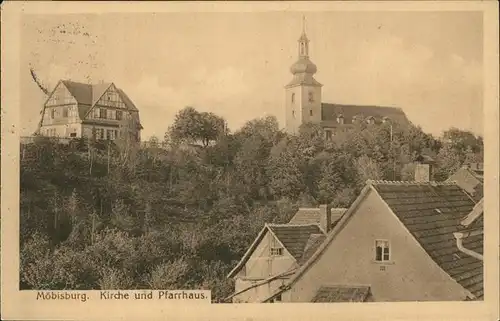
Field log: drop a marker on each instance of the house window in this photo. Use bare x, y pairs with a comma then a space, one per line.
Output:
119, 115
293, 97
382, 251
311, 97
293, 113
103, 113
328, 134
72, 135
96, 113
100, 133
278, 298
52, 113
276, 251
310, 112
65, 112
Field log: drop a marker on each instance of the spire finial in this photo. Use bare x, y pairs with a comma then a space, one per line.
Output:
303, 24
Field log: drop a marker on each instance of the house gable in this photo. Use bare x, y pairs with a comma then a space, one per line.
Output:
256, 253
263, 264
409, 275
111, 98
60, 107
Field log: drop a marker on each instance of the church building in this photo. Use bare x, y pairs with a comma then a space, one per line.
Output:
304, 102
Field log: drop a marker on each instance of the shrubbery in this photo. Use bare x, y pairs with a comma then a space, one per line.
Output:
179, 214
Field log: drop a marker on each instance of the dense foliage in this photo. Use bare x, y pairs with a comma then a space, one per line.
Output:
181, 213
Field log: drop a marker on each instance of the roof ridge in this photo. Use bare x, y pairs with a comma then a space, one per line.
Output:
290, 225
388, 182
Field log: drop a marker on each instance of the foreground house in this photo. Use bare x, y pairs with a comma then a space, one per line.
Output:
102, 111
399, 241
278, 251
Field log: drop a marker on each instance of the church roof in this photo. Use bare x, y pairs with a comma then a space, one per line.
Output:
330, 112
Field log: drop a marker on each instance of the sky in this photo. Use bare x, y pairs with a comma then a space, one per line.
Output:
236, 64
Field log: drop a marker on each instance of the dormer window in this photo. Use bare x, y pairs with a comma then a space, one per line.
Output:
370, 120
385, 120
340, 119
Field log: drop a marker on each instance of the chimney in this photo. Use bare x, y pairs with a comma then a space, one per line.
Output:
325, 218
422, 172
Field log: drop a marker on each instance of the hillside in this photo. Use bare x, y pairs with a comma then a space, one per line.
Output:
180, 213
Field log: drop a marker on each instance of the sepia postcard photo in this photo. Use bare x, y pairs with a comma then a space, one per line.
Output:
192, 160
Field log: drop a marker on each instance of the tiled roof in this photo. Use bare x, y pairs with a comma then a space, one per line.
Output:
313, 215
81, 92
330, 112
342, 294
306, 216
432, 213
313, 243
475, 215
294, 237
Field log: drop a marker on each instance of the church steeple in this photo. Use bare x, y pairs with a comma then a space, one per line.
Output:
303, 92
303, 41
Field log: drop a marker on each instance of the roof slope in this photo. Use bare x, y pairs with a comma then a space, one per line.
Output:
294, 237
431, 213
313, 215
469, 180
330, 112
312, 245
82, 92
344, 293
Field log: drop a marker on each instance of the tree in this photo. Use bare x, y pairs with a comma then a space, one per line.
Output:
367, 169
194, 127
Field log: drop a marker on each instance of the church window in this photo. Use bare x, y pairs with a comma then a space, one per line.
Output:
311, 97
310, 112
293, 97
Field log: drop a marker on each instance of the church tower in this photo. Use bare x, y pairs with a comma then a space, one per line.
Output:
303, 93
